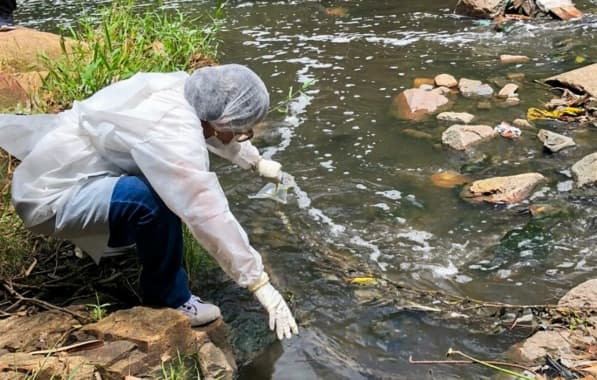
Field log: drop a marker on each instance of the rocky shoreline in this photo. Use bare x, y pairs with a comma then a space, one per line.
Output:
137, 342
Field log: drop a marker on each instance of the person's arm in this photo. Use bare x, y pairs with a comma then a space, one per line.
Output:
246, 156
175, 161
173, 157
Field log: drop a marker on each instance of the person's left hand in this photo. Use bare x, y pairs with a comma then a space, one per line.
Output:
269, 169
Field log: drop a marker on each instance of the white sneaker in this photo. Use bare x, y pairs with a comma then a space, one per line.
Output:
199, 312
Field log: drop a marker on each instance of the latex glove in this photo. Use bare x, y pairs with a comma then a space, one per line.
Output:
269, 169
280, 317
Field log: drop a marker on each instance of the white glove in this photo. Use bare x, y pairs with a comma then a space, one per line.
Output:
280, 316
269, 169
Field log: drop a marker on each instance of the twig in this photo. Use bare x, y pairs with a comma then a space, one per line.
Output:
489, 365
494, 362
44, 304
78, 346
30, 269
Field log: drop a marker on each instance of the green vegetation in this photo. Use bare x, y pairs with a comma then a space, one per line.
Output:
197, 262
98, 310
123, 43
180, 369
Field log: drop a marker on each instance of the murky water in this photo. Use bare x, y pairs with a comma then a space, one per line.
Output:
365, 204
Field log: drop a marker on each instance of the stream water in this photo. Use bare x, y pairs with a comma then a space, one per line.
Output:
365, 204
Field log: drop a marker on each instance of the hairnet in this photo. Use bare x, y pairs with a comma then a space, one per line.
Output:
230, 97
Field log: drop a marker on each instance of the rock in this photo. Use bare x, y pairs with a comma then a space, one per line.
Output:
11, 92
509, 102
418, 82
516, 76
152, 330
582, 80
554, 142
480, 8
509, 59
426, 87
522, 124
445, 80
449, 179
585, 170
472, 88
583, 295
534, 349
136, 363
416, 104
214, 364
108, 354
442, 90
417, 134
218, 333
508, 190
508, 91
457, 117
461, 137
484, 105
36, 332
47, 367
20, 49
30, 81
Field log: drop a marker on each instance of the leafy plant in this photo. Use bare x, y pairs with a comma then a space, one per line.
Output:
98, 310
121, 43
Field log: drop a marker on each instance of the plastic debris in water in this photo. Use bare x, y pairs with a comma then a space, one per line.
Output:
362, 280
537, 113
508, 131
276, 191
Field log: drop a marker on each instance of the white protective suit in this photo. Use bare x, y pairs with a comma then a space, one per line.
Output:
140, 126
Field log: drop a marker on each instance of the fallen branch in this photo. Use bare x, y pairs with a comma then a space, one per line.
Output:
490, 365
72, 347
494, 362
44, 304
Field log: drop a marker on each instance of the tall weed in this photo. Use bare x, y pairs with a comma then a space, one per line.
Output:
122, 42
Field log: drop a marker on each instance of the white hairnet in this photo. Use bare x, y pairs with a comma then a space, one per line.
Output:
230, 97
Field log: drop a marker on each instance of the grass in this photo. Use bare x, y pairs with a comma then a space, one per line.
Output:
197, 262
122, 43
180, 369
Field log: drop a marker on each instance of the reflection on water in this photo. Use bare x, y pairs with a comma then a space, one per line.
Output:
364, 203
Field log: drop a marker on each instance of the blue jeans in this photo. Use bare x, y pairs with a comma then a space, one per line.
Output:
138, 215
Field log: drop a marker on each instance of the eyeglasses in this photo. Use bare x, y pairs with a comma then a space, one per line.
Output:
246, 136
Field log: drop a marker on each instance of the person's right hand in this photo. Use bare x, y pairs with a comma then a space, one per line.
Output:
280, 317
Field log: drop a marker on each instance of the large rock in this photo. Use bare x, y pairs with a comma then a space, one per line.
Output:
508, 190
11, 92
480, 8
534, 349
561, 343
554, 142
47, 367
20, 49
416, 104
581, 80
461, 137
581, 296
36, 332
152, 330
213, 363
474, 88
585, 170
